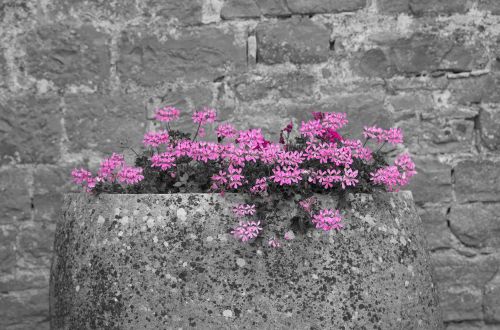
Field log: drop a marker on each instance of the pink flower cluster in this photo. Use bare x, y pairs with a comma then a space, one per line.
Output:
244, 210
112, 169
395, 176
167, 114
247, 230
155, 139
391, 136
206, 116
328, 220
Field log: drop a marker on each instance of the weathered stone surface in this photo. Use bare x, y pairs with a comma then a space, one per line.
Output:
433, 182
406, 104
491, 5
471, 325
393, 6
438, 135
181, 244
273, 7
425, 52
30, 129
26, 309
112, 10
492, 300
436, 229
324, 6
374, 63
288, 85
435, 7
201, 54
15, 204
240, 9
476, 224
188, 12
102, 122
460, 281
296, 41
69, 55
477, 181
49, 184
489, 122
8, 235
3, 70
474, 90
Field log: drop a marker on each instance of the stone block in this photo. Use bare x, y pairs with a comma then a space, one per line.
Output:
474, 90
15, 187
438, 7
492, 300
476, 224
49, 184
460, 281
186, 12
393, 6
436, 228
8, 235
296, 41
492, 6
273, 7
324, 6
438, 135
374, 63
432, 184
240, 9
30, 129
104, 122
112, 10
200, 54
489, 124
477, 180
25, 309
67, 55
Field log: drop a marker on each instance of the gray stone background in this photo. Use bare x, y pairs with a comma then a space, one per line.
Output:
78, 77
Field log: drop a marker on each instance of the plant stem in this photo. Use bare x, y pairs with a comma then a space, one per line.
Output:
197, 130
383, 144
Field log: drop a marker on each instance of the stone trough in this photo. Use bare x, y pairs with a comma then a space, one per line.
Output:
169, 262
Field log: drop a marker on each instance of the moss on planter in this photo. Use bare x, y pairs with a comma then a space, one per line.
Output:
168, 261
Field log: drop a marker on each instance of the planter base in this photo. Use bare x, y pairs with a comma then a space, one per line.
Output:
167, 262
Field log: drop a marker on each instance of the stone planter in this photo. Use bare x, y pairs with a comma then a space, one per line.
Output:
168, 262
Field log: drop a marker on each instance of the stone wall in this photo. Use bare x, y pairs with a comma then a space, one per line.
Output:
79, 77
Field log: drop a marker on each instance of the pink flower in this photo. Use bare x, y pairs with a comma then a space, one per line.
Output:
290, 158
393, 136
252, 139
312, 129
130, 175
349, 178
154, 139
318, 115
81, 176
109, 165
334, 120
167, 114
219, 181
269, 153
332, 136
388, 176
286, 175
405, 162
225, 131
235, 177
308, 204
327, 178
374, 132
288, 128
246, 230
183, 148
327, 220
289, 235
163, 160
260, 186
274, 243
244, 210
206, 116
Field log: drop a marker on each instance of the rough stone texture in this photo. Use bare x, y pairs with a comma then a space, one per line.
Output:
324, 6
77, 77
206, 53
461, 283
67, 55
115, 251
30, 129
101, 122
477, 181
297, 41
476, 224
